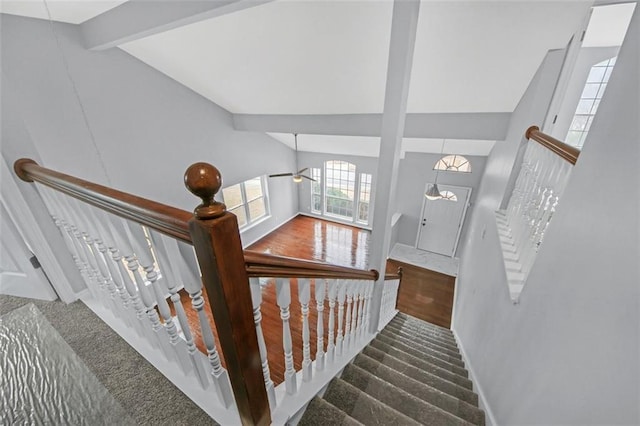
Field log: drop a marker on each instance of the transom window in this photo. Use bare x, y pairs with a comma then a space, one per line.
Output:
453, 163
589, 101
247, 200
448, 195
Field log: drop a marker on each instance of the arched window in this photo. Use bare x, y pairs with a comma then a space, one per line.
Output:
589, 102
453, 163
448, 195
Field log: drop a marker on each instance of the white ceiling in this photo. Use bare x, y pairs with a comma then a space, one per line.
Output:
330, 57
72, 12
370, 146
608, 25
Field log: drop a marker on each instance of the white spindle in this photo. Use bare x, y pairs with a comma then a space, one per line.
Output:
171, 252
341, 297
256, 298
347, 329
321, 292
332, 294
283, 297
304, 296
361, 289
193, 285
356, 311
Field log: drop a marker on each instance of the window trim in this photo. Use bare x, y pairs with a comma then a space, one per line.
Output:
250, 222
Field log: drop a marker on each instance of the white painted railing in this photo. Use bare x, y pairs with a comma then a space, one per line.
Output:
342, 309
135, 275
388, 304
523, 224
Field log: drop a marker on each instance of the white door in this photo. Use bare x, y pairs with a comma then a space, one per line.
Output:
441, 220
18, 276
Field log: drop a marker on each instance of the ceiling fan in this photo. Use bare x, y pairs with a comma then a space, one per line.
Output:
297, 176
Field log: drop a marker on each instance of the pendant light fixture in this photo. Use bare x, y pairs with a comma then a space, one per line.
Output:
433, 193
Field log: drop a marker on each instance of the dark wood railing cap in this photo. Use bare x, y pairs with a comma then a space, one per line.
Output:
19, 170
565, 151
204, 181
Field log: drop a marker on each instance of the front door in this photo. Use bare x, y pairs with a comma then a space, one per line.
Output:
441, 220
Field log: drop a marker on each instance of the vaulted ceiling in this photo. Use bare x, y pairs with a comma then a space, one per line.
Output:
317, 57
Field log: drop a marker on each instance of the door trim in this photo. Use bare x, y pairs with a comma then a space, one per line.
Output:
460, 224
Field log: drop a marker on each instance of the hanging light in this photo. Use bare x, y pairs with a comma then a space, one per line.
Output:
433, 193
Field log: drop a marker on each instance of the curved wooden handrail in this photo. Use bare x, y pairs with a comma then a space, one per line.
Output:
174, 222
166, 219
269, 265
567, 152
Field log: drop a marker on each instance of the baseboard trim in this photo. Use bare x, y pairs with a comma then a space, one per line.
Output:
484, 405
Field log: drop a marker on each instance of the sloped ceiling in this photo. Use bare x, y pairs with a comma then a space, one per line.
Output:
330, 57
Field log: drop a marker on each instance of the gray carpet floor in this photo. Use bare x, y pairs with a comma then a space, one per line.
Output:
144, 393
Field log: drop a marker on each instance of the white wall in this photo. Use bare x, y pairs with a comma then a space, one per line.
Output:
416, 169
147, 128
568, 353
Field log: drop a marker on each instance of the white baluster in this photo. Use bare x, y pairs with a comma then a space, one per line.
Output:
347, 329
332, 294
361, 289
283, 297
367, 309
341, 297
171, 283
256, 298
169, 247
321, 292
193, 285
304, 296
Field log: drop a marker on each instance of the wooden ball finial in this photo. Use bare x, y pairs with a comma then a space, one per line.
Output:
204, 181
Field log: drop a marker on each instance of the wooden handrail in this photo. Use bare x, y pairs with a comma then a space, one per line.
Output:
174, 222
269, 265
166, 219
567, 152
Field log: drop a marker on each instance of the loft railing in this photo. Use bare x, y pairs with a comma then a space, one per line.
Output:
136, 256
522, 225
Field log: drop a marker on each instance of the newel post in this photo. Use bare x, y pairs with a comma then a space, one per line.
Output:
216, 240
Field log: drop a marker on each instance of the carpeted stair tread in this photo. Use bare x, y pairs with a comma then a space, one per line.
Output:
422, 376
320, 412
433, 338
423, 347
447, 365
413, 320
410, 405
428, 341
424, 392
426, 327
449, 342
423, 365
362, 407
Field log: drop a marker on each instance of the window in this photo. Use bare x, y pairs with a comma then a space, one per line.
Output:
589, 101
364, 198
453, 163
316, 190
340, 182
448, 195
247, 200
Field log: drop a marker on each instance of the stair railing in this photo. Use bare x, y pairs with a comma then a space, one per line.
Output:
522, 225
136, 257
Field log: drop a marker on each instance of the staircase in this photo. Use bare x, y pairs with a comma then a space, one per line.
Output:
411, 373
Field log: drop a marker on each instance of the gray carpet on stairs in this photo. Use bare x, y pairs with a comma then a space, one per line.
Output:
412, 373
142, 391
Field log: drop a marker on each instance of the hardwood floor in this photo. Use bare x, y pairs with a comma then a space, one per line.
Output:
309, 238
425, 294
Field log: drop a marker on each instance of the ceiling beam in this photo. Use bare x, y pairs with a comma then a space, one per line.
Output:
480, 125
136, 19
